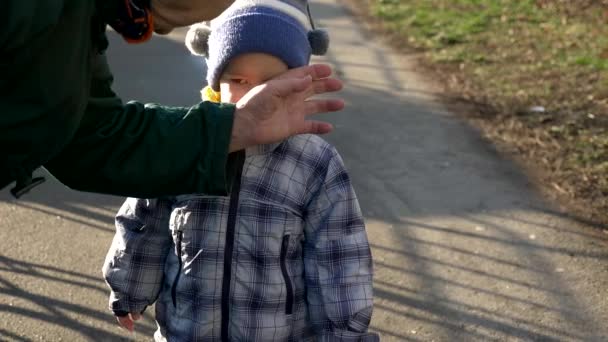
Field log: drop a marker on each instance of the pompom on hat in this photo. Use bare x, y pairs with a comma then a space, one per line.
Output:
282, 28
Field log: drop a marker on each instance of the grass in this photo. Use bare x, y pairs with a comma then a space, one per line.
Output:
513, 55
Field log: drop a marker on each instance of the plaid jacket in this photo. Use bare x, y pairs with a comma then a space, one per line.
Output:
284, 258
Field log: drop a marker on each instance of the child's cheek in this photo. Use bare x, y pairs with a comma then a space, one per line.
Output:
226, 96
235, 94
231, 93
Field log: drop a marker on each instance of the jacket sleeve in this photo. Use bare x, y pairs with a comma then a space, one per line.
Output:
145, 150
134, 265
338, 260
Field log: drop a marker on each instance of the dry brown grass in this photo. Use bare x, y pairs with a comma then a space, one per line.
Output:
503, 58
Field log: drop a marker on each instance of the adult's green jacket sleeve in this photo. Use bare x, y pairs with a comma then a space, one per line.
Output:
57, 109
146, 150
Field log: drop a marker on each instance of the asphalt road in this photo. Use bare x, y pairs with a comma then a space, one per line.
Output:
464, 248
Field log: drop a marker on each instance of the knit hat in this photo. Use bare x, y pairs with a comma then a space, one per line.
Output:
282, 28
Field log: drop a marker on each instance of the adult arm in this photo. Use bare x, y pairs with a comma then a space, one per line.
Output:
145, 150
150, 150
58, 110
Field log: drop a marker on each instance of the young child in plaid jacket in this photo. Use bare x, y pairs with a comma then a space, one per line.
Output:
285, 257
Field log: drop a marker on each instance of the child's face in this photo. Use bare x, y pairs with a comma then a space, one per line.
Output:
247, 71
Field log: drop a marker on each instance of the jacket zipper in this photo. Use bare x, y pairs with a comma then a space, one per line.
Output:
229, 247
178, 243
288, 285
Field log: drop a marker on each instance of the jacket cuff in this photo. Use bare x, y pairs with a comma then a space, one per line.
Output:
122, 306
120, 313
222, 168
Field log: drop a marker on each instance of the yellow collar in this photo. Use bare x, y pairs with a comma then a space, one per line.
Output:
209, 94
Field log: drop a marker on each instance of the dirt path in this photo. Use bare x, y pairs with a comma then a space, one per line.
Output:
464, 248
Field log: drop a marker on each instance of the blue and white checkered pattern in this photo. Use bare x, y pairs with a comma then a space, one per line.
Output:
299, 227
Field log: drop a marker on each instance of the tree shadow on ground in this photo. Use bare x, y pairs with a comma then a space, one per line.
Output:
56, 310
464, 247
449, 236
42, 289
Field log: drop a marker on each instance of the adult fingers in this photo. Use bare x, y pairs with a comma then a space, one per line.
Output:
320, 71
315, 107
322, 105
316, 71
314, 127
287, 87
326, 85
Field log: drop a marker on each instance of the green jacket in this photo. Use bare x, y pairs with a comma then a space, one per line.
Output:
57, 109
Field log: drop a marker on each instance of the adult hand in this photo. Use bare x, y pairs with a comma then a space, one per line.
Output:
279, 108
128, 321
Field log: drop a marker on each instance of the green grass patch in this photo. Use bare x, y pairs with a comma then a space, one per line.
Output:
516, 54
593, 62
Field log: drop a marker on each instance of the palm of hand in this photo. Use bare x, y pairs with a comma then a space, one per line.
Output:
273, 115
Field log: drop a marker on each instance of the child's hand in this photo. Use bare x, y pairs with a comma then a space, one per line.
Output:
128, 321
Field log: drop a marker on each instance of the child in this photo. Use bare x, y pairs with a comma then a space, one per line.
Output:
285, 257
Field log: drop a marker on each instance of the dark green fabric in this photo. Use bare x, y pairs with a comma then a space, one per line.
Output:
57, 109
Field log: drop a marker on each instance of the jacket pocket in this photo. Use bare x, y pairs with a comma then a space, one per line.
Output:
288, 284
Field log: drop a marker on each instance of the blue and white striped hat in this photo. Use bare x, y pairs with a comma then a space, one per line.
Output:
282, 28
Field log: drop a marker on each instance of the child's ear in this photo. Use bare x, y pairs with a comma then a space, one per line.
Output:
197, 39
